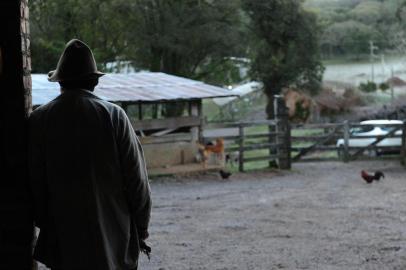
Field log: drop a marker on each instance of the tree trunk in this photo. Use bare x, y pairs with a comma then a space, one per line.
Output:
16, 225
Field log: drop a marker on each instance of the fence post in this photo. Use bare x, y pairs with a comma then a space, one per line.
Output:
285, 162
241, 150
282, 126
403, 149
346, 141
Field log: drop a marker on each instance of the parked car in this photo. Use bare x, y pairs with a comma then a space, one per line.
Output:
372, 128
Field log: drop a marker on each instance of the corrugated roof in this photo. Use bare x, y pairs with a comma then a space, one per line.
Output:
141, 86
239, 91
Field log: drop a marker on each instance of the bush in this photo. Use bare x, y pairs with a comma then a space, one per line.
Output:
384, 86
368, 87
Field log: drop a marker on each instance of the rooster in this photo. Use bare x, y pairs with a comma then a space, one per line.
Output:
369, 178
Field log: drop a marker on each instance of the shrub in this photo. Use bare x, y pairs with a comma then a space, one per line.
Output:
368, 87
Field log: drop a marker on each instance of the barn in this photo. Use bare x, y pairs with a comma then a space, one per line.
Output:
165, 111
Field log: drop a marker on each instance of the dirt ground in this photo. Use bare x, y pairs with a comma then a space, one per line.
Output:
317, 216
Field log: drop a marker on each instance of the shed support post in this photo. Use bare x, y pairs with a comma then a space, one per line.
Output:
195, 110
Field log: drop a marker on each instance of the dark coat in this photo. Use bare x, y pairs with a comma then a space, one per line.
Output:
89, 182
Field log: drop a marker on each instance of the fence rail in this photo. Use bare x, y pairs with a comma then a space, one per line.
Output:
325, 138
308, 142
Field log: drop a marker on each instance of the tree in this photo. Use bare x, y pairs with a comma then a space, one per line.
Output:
101, 24
286, 51
189, 38
349, 37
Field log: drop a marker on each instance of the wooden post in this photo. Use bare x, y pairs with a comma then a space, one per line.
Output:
282, 126
125, 107
140, 115
194, 111
16, 224
241, 149
403, 149
346, 141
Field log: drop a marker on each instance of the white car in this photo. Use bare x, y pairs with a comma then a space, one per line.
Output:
371, 128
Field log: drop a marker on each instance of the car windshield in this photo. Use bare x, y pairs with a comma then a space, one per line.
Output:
362, 129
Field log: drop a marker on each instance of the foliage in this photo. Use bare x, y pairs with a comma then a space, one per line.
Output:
368, 87
188, 38
285, 49
101, 24
375, 20
349, 36
384, 86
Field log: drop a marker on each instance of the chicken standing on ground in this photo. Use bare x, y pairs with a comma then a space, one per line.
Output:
224, 174
369, 178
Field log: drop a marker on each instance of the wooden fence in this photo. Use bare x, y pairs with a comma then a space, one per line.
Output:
280, 143
338, 141
267, 140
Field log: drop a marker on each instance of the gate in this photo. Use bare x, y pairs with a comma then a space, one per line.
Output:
339, 141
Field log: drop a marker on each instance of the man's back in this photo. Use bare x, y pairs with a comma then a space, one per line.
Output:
89, 183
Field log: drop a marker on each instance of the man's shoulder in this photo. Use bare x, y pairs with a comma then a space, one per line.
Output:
111, 107
40, 110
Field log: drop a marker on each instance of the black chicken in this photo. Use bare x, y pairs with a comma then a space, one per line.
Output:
224, 174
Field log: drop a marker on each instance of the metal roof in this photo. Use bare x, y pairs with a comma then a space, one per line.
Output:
239, 91
140, 87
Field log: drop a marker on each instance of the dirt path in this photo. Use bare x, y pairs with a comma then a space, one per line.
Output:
318, 216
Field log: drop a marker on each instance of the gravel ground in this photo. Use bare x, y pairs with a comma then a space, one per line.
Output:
317, 216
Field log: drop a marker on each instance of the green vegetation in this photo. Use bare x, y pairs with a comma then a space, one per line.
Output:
368, 87
349, 25
285, 49
194, 39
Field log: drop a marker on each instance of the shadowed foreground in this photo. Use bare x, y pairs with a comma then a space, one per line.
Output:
318, 216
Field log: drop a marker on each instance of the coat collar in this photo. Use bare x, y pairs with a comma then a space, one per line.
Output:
79, 92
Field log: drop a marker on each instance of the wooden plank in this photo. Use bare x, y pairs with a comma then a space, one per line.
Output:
375, 125
168, 123
162, 132
346, 141
262, 135
213, 125
316, 126
375, 137
314, 138
261, 158
180, 137
317, 148
241, 148
261, 146
335, 148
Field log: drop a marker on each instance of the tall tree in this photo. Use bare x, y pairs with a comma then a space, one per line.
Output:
101, 24
286, 48
188, 38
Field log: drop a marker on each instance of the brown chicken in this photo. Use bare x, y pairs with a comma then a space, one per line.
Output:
217, 149
369, 178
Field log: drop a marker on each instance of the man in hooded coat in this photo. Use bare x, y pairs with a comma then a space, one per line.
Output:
88, 177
